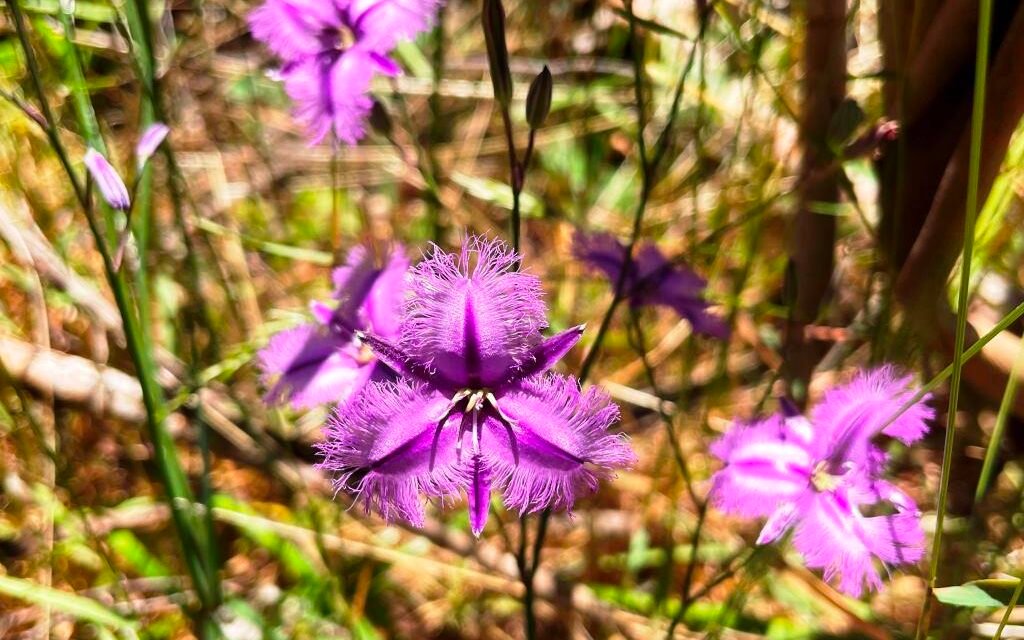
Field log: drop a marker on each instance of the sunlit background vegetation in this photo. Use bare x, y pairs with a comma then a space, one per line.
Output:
816, 171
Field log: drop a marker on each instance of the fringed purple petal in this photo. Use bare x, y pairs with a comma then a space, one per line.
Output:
384, 445
834, 536
669, 278
380, 24
662, 282
107, 180
472, 317
765, 468
308, 366
559, 447
851, 415
777, 523
330, 92
293, 29
149, 141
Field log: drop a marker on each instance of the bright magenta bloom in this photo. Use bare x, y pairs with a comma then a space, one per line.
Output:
332, 49
816, 476
475, 408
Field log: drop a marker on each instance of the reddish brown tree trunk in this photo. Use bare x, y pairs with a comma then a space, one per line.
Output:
814, 231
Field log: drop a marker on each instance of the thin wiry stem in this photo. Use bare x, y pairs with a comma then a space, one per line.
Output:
1005, 407
974, 170
179, 494
648, 167
1014, 599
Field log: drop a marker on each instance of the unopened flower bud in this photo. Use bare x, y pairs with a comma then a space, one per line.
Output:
497, 52
538, 100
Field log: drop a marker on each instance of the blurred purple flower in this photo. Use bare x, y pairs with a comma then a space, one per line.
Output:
652, 280
107, 180
148, 143
331, 51
814, 476
475, 378
323, 362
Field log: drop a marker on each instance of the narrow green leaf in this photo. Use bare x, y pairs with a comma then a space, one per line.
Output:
979, 593
69, 603
127, 545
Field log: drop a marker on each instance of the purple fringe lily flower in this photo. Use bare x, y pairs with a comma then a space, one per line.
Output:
652, 280
331, 51
816, 476
322, 361
476, 408
108, 181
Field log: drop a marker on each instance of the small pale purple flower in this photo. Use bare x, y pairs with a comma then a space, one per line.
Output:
652, 280
476, 408
323, 362
331, 51
149, 142
107, 180
816, 476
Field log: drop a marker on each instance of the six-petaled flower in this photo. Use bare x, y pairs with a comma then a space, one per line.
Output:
476, 407
817, 476
652, 279
332, 49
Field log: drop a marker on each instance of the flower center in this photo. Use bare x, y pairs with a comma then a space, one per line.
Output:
471, 403
821, 479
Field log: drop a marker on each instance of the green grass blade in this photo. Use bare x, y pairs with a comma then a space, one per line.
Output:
69, 603
970, 215
1005, 406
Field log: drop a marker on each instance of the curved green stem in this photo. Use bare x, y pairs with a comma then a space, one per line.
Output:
974, 169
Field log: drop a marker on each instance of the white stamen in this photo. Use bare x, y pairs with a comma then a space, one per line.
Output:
494, 403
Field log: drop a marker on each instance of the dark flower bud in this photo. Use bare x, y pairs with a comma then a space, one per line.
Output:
538, 100
497, 52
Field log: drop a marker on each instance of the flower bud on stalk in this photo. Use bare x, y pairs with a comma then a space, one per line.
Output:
538, 100
497, 52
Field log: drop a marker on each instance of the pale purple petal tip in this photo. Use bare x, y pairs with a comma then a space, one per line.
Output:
371, 294
148, 143
107, 180
854, 413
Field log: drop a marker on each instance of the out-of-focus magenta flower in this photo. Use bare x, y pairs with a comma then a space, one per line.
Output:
476, 408
107, 180
331, 51
148, 143
651, 280
322, 362
815, 476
